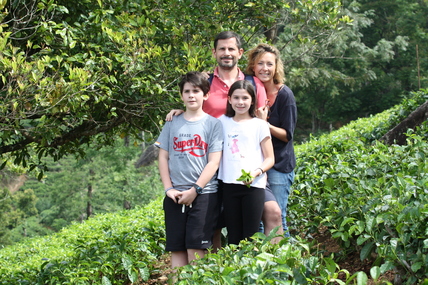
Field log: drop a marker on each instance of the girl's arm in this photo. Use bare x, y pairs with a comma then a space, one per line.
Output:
187, 197
268, 162
164, 174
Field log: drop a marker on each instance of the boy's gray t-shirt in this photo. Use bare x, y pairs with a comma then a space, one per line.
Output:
188, 144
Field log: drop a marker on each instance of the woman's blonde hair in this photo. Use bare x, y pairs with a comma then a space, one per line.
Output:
254, 56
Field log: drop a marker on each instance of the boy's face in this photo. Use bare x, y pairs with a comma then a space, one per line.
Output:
193, 96
227, 53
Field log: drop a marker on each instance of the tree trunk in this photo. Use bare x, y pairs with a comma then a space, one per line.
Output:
398, 133
89, 205
126, 204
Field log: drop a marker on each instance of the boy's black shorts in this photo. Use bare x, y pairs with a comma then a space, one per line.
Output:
194, 228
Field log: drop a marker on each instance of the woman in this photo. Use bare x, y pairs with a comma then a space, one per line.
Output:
265, 63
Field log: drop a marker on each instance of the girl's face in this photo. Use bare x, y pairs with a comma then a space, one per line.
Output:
265, 67
241, 101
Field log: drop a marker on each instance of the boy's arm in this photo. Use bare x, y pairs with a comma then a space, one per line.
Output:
164, 174
209, 171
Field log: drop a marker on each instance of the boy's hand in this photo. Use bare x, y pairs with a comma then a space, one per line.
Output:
187, 197
173, 194
173, 113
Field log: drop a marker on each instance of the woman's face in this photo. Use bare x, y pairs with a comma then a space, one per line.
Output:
265, 67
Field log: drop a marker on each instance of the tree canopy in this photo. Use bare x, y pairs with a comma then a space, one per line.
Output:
72, 73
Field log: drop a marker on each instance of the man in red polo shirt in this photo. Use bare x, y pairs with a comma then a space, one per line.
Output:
227, 51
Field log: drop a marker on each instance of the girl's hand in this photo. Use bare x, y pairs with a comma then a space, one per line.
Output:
173, 113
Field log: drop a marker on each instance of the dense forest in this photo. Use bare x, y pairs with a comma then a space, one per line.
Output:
85, 87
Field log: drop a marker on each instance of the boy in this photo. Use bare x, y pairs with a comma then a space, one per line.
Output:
189, 156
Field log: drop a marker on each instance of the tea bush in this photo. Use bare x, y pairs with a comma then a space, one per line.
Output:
371, 197
106, 249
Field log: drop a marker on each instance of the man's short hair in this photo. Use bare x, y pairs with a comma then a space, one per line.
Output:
228, 35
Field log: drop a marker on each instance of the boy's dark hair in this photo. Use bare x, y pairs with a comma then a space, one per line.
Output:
228, 35
197, 79
247, 86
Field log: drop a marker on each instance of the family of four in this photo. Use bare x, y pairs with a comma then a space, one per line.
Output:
229, 124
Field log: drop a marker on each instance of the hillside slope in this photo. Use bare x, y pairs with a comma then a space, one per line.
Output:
372, 198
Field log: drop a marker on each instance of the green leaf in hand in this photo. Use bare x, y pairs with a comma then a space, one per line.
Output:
246, 177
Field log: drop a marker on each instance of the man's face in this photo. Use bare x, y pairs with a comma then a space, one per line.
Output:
227, 53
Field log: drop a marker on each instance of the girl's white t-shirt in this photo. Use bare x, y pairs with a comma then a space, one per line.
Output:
241, 149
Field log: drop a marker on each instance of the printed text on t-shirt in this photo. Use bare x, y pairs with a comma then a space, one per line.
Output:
196, 146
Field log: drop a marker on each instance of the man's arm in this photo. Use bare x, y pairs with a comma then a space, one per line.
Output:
172, 113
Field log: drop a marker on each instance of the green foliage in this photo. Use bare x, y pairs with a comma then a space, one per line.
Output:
107, 249
245, 177
111, 67
5, 218
370, 196
260, 262
362, 68
63, 194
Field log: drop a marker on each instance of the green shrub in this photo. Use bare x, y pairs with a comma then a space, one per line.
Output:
107, 249
372, 197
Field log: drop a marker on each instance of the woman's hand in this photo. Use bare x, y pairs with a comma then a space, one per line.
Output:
262, 112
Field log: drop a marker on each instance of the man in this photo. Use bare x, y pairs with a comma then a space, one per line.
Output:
227, 51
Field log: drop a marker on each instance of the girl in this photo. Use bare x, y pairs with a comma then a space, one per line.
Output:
247, 146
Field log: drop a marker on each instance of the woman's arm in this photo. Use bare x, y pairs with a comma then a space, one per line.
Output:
277, 132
